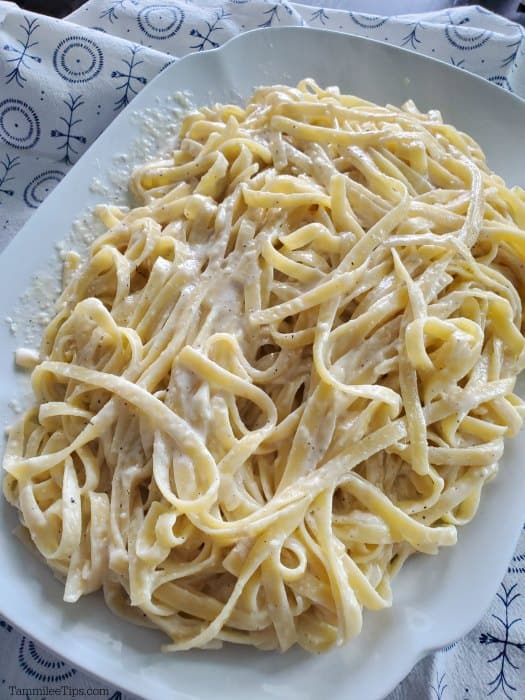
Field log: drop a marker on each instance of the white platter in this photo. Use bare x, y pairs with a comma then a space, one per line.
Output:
436, 599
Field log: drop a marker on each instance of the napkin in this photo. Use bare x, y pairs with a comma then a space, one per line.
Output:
63, 81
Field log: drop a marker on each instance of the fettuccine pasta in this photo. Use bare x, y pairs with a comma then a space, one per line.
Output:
289, 368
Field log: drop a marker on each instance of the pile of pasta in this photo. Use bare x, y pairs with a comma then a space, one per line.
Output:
287, 369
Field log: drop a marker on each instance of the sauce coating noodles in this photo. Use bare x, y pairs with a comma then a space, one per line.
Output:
285, 371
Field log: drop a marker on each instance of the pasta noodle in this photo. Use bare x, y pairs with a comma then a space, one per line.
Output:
289, 368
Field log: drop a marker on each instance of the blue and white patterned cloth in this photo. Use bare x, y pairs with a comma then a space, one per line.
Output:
61, 84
